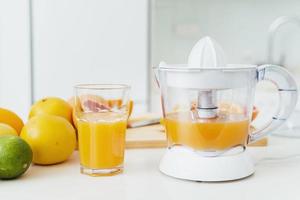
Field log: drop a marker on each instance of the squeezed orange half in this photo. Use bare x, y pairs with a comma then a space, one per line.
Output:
218, 133
102, 140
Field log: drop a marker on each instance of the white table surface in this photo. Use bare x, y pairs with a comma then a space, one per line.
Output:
277, 176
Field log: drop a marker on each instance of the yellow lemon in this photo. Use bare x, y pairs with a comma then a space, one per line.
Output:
12, 119
7, 130
52, 106
52, 138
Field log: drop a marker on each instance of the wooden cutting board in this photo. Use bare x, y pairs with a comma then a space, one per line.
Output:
154, 137
146, 137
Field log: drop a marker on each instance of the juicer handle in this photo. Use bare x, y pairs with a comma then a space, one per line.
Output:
288, 95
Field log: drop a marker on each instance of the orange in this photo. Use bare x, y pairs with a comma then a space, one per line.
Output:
90, 102
87, 102
227, 107
71, 102
118, 102
52, 106
12, 119
52, 138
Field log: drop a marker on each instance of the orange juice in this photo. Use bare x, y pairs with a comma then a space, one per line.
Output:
206, 134
102, 140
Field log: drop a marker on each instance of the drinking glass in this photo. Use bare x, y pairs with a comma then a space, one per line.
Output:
101, 113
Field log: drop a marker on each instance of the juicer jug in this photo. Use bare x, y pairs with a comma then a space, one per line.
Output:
207, 117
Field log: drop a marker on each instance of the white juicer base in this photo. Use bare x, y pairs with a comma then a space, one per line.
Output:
184, 163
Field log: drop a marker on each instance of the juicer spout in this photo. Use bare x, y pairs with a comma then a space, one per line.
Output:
156, 74
155, 70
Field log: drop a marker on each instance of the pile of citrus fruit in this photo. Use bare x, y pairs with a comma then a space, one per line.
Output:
49, 137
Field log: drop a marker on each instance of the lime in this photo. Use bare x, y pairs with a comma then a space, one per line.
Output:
15, 156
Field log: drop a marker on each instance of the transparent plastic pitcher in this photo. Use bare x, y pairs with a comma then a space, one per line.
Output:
210, 109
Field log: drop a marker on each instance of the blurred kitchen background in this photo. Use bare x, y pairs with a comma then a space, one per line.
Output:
48, 46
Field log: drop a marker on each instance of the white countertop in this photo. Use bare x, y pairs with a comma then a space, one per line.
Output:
274, 179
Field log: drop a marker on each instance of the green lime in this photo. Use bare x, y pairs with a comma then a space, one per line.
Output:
15, 156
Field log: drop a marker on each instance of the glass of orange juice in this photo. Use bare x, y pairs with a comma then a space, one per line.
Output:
101, 113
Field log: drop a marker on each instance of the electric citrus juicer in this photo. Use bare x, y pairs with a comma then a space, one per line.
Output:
207, 107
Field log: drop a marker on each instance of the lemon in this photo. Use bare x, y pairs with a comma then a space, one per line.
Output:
7, 130
15, 156
52, 138
12, 119
52, 106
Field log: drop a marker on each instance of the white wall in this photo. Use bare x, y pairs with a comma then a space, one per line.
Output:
14, 56
241, 27
90, 41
